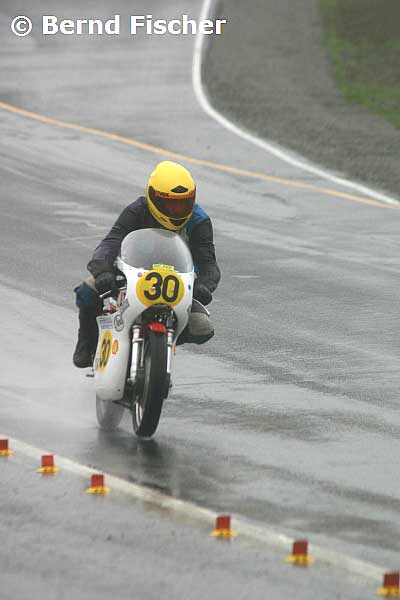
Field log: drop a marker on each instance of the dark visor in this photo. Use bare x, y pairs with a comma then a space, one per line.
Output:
173, 207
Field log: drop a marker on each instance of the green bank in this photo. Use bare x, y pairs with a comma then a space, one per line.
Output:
363, 41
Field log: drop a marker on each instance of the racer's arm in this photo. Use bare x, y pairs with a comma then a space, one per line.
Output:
107, 251
201, 245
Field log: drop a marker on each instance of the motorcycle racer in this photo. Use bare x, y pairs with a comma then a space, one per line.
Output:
169, 204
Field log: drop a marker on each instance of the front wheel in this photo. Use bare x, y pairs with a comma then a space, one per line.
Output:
109, 414
148, 405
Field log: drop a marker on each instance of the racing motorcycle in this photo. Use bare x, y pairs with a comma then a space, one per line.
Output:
138, 329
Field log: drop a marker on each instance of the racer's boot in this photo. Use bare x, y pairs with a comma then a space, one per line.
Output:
199, 328
87, 339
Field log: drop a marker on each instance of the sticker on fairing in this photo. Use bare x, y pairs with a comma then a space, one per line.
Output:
124, 306
105, 350
118, 322
165, 267
160, 287
106, 322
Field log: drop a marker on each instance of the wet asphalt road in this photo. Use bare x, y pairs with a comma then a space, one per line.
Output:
57, 541
64, 543
290, 415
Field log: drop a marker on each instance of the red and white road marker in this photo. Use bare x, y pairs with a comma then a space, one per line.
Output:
299, 554
97, 485
47, 465
4, 449
223, 528
391, 585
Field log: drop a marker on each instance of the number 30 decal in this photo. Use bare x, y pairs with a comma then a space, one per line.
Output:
105, 350
156, 287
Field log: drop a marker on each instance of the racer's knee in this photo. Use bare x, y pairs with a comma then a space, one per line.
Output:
198, 330
87, 297
200, 326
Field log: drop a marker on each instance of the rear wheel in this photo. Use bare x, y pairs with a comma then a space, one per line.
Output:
109, 414
147, 408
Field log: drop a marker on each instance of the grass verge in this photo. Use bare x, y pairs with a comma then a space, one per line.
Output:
363, 41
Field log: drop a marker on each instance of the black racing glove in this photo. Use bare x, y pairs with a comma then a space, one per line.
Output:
105, 282
201, 293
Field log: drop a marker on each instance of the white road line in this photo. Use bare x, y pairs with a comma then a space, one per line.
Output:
246, 276
276, 151
204, 515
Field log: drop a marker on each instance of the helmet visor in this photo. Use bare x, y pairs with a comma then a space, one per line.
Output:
174, 207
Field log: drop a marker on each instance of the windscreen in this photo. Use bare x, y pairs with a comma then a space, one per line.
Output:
145, 248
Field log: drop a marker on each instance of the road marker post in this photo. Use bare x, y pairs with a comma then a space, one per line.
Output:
97, 485
223, 528
300, 555
391, 585
47, 465
4, 449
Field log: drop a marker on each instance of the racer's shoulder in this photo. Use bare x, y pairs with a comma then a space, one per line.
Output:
139, 205
199, 215
134, 214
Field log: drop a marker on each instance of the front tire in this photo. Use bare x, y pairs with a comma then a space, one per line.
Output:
109, 414
147, 409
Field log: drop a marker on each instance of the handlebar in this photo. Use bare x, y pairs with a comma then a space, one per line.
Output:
105, 295
109, 293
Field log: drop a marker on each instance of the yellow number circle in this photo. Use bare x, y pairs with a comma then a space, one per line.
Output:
160, 287
105, 350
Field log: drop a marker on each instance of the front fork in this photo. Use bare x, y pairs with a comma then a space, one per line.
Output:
137, 359
170, 338
137, 354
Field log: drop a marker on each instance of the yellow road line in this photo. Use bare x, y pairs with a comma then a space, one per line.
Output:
196, 161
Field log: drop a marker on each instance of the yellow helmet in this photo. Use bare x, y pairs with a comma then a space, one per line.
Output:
171, 194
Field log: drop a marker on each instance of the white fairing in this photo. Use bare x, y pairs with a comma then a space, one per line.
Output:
111, 366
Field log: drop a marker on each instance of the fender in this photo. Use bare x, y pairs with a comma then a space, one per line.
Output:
157, 327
